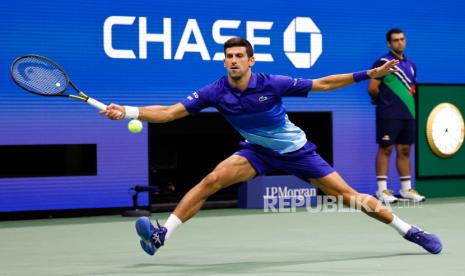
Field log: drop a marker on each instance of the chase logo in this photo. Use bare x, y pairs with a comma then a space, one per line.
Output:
192, 39
302, 59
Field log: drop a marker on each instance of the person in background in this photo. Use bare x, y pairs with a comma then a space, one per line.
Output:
393, 95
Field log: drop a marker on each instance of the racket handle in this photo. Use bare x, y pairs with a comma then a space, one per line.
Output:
97, 104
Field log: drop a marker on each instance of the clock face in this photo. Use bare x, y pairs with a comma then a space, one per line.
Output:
445, 130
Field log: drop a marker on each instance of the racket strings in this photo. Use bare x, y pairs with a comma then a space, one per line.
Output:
39, 76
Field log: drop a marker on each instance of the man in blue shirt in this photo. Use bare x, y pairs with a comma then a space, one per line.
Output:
395, 117
252, 103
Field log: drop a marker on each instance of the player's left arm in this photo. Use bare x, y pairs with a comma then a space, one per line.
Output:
333, 82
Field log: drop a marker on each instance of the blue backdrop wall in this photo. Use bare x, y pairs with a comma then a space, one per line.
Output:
112, 51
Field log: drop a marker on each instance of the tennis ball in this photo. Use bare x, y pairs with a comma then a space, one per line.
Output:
135, 126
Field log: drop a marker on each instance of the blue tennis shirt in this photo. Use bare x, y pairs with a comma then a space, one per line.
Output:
257, 113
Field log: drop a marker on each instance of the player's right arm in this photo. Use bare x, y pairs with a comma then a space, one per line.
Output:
152, 114
192, 105
162, 114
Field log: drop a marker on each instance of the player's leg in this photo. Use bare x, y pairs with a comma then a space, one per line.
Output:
306, 164
404, 141
333, 184
232, 170
386, 132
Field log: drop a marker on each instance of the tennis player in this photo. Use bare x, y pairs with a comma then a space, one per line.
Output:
252, 104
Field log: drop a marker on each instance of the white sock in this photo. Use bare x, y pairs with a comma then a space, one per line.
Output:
171, 224
406, 183
401, 226
382, 182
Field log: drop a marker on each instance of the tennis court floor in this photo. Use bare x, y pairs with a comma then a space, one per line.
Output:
239, 242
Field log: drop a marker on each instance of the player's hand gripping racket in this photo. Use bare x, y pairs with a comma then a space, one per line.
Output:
41, 76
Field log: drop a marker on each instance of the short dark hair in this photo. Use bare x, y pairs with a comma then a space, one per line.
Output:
239, 42
393, 31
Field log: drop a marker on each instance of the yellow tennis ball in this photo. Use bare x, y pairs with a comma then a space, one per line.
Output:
135, 126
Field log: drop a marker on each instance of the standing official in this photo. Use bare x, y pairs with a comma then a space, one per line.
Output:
395, 117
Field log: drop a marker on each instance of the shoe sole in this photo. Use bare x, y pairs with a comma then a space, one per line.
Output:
146, 248
143, 230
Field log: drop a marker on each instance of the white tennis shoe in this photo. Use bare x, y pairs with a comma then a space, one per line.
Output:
386, 196
412, 195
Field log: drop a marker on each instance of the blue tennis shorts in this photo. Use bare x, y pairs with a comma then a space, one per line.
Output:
304, 163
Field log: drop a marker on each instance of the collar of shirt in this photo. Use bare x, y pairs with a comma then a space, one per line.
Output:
251, 85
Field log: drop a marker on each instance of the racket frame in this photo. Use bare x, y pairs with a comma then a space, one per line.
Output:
82, 96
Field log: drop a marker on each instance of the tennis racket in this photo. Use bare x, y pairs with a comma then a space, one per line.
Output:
41, 76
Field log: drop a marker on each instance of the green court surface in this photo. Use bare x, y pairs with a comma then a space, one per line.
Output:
239, 242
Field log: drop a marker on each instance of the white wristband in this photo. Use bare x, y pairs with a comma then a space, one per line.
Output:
132, 112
